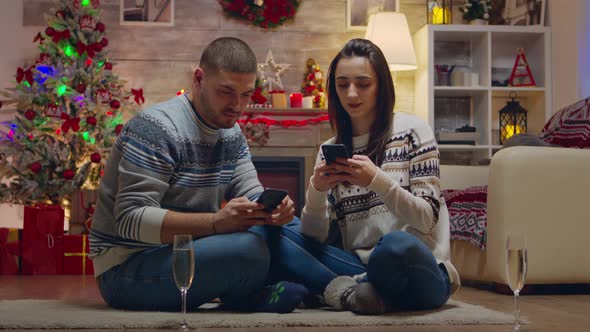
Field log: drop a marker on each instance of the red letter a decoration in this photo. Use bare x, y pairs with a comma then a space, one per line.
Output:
521, 72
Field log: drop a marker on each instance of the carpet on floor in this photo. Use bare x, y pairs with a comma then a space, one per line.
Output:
56, 314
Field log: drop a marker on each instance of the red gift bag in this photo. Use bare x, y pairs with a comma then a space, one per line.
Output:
76, 251
43, 229
9, 251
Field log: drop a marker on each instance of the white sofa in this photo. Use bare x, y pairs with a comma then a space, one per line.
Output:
541, 191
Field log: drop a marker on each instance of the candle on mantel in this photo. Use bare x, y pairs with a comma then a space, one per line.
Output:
307, 102
296, 100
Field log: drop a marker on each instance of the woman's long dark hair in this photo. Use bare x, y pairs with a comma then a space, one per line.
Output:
340, 120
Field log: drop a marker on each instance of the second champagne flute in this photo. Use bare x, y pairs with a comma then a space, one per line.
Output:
516, 270
183, 269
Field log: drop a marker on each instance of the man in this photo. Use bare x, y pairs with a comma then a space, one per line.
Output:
168, 173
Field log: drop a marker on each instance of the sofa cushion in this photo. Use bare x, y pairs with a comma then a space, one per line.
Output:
570, 126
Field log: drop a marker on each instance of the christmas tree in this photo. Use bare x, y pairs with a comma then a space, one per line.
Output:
313, 84
69, 106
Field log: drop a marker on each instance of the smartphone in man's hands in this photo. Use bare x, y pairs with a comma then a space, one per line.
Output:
271, 198
333, 151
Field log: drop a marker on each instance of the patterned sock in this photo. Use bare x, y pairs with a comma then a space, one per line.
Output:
282, 297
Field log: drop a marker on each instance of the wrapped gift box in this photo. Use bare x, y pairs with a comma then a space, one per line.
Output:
10, 251
42, 246
76, 249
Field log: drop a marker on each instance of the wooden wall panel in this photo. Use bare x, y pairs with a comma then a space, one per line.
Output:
159, 59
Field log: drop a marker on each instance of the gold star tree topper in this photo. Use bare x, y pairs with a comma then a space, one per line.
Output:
270, 72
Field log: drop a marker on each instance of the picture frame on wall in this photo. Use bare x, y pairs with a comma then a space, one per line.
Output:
518, 12
147, 12
358, 11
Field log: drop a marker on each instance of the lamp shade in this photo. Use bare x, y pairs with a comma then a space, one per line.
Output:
389, 31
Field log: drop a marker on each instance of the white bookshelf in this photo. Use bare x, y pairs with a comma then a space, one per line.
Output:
480, 49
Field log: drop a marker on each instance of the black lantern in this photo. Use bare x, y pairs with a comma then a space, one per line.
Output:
439, 11
512, 119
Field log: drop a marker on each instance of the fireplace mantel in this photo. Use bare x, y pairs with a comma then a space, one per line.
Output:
293, 141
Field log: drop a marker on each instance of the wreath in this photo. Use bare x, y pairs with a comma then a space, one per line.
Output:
262, 13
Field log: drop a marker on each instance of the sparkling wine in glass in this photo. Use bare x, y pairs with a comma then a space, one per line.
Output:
516, 270
183, 268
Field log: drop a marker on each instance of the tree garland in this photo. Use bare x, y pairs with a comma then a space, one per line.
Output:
262, 13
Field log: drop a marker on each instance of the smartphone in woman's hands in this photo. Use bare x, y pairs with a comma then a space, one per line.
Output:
333, 151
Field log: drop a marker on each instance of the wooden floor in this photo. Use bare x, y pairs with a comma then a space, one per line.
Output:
546, 312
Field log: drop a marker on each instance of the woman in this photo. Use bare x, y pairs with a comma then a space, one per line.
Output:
374, 233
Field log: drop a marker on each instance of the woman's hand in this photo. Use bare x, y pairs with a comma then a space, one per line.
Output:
326, 177
358, 170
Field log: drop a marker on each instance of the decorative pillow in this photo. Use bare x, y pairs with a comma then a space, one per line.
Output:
570, 126
468, 214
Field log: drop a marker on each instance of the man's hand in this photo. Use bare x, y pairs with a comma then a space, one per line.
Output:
283, 213
238, 215
326, 177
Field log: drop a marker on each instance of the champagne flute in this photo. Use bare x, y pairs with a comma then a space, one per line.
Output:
516, 270
183, 268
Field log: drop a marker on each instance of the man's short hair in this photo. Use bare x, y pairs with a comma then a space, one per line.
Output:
229, 54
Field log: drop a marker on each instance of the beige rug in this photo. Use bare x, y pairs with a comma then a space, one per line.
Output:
52, 314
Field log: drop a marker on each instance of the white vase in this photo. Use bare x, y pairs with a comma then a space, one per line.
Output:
478, 21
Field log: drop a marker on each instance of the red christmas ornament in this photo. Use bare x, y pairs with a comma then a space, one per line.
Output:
50, 31
108, 66
95, 157
30, 114
68, 174
36, 167
118, 129
52, 110
104, 42
103, 95
81, 88
100, 27
91, 120
115, 104
87, 23
95, 3
43, 58
60, 14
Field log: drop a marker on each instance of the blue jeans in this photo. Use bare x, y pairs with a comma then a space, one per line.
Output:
228, 266
402, 268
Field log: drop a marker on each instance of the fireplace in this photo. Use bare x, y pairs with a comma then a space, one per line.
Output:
283, 173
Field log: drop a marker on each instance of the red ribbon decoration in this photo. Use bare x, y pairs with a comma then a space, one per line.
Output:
24, 74
138, 95
59, 35
74, 123
91, 49
38, 38
286, 123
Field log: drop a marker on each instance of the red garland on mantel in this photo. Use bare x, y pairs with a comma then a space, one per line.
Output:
262, 13
285, 123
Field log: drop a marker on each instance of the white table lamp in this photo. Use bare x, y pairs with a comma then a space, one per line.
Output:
389, 31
